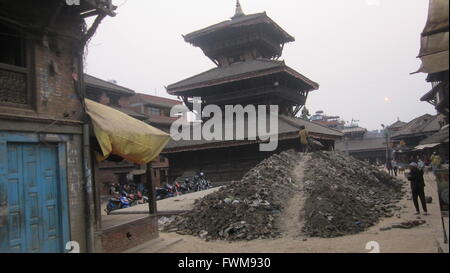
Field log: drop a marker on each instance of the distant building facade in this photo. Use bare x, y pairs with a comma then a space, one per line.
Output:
420, 137
151, 109
334, 122
157, 112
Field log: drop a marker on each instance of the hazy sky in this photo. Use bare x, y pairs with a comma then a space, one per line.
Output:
359, 51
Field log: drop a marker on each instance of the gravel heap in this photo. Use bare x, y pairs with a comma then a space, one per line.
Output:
345, 195
243, 210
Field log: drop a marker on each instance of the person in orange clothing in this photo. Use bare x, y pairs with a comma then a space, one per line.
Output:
304, 144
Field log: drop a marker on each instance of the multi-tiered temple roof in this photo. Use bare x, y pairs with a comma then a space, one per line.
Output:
246, 50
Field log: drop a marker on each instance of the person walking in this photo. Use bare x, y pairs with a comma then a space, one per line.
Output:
421, 164
435, 162
415, 176
389, 167
303, 134
394, 165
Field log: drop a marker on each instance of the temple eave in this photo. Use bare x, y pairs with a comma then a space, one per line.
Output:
176, 88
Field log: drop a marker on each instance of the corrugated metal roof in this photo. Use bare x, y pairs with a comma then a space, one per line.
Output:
425, 146
360, 145
397, 124
421, 125
439, 137
154, 100
354, 130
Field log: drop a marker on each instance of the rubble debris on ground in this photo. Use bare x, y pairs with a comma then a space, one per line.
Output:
405, 225
246, 209
409, 224
343, 196
164, 221
346, 196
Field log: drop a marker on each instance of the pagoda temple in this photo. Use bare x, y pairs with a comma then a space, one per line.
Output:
246, 51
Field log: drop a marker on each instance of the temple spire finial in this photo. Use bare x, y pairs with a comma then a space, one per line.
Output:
239, 12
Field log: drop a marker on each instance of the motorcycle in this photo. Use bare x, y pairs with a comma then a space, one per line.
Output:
204, 183
167, 191
162, 193
173, 189
197, 184
117, 203
183, 188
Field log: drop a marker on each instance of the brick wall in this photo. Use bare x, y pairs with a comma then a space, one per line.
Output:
54, 95
56, 107
76, 192
104, 99
120, 238
124, 102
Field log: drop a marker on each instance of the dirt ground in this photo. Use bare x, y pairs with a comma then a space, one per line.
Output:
422, 239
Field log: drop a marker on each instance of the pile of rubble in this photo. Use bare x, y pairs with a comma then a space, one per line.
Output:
243, 210
345, 195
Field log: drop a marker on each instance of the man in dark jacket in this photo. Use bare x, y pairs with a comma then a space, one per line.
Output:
417, 187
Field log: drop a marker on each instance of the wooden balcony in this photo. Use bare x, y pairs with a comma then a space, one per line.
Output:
14, 85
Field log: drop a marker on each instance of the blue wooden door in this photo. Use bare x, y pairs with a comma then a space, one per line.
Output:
30, 200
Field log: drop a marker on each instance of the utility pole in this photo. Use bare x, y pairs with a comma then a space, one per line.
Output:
346, 145
386, 133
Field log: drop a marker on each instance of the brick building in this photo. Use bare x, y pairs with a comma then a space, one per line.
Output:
153, 110
117, 97
157, 111
44, 198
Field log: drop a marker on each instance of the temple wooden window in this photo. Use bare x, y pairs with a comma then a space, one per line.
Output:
15, 68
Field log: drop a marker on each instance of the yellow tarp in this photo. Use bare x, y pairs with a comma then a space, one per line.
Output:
119, 134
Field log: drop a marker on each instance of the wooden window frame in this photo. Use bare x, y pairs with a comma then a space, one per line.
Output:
28, 70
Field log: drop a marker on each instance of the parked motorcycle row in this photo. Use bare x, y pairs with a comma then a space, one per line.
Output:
125, 200
193, 184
